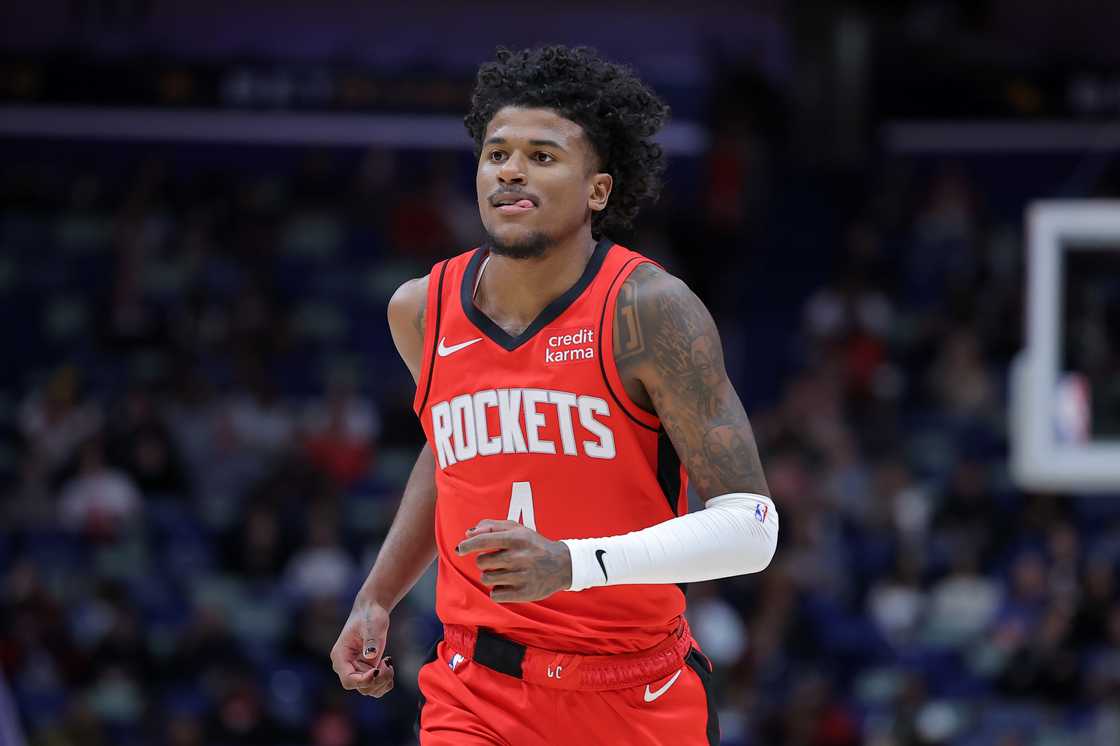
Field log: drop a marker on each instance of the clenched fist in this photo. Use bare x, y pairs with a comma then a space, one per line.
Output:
357, 654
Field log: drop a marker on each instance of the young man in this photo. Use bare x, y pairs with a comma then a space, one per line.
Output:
569, 388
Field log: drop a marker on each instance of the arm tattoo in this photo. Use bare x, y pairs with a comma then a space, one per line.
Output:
420, 315
627, 334
673, 349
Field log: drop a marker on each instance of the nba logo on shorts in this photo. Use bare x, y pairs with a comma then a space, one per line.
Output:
455, 661
760, 512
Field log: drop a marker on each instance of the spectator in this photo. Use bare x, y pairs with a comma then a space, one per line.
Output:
56, 420
141, 444
205, 651
241, 718
322, 568
716, 622
898, 604
256, 547
184, 730
1048, 667
259, 420
340, 432
963, 605
100, 502
1091, 622
960, 380
30, 504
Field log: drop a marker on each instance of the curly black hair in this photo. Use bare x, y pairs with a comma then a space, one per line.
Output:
618, 113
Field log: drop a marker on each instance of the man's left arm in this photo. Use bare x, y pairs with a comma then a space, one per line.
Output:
666, 341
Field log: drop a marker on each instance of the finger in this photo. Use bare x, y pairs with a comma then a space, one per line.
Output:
367, 677
375, 689
485, 542
364, 678
503, 577
372, 644
505, 594
348, 664
380, 683
500, 560
387, 678
342, 667
373, 639
488, 525
362, 669
379, 690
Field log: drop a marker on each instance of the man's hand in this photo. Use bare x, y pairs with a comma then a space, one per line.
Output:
518, 564
357, 654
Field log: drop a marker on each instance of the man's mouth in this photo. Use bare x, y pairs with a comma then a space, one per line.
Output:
513, 203
521, 205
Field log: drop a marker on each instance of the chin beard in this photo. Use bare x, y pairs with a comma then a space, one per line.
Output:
530, 247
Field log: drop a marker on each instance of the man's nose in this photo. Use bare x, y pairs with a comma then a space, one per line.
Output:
512, 170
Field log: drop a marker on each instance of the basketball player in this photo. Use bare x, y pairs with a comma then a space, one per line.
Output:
569, 389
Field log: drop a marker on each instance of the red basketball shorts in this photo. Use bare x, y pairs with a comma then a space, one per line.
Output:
480, 689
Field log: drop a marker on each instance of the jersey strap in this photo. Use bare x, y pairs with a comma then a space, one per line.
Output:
432, 317
606, 338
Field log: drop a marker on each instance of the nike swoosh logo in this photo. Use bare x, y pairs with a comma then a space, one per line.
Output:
599, 556
444, 350
650, 696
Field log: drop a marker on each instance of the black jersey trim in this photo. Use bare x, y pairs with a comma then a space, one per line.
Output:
599, 343
550, 312
435, 339
668, 470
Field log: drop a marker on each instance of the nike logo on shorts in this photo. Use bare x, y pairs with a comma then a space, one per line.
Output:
599, 556
650, 696
444, 350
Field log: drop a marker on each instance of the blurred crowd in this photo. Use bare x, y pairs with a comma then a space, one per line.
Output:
206, 429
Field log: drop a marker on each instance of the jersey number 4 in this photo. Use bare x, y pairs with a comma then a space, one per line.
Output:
521, 505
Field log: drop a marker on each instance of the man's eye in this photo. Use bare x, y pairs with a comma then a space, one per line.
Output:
545, 157
497, 155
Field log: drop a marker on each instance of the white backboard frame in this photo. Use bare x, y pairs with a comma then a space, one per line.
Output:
1039, 459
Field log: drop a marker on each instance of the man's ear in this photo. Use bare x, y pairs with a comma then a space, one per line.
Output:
601, 185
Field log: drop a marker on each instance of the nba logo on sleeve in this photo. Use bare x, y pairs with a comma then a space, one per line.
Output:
760, 512
455, 661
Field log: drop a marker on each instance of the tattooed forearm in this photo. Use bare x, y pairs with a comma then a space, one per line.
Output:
679, 362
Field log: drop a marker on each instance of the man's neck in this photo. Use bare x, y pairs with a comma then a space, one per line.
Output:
513, 292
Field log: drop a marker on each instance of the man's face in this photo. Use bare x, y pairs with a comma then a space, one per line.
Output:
537, 182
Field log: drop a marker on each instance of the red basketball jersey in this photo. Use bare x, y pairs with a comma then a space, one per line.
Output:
538, 428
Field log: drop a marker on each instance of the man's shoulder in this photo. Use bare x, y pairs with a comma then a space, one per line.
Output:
407, 314
412, 295
653, 279
655, 310
650, 291
411, 290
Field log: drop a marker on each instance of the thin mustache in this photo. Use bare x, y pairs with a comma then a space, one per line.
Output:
512, 192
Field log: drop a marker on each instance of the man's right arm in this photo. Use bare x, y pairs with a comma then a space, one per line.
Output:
410, 546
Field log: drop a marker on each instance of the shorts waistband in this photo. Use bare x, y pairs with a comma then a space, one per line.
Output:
571, 670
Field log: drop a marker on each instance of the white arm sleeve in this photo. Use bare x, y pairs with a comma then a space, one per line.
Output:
734, 534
